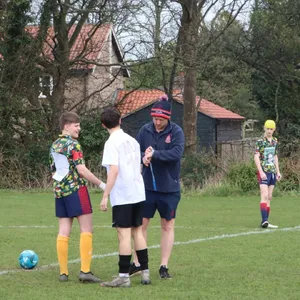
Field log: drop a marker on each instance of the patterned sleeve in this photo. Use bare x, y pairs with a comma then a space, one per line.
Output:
77, 154
257, 147
276, 147
51, 164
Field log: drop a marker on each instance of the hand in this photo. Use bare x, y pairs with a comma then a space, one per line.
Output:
103, 203
278, 176
148, 150
263, 175
146, 161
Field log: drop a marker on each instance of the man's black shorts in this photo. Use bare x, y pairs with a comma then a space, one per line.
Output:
127, 215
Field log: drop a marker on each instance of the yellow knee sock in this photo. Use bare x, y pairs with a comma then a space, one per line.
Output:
86, 247
62, 244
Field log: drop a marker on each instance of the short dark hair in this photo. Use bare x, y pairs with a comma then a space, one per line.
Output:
68, 117
110, 117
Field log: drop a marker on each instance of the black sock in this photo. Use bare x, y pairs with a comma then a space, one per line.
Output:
124, 263
143, 258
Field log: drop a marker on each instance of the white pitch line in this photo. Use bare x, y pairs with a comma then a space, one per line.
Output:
200, 240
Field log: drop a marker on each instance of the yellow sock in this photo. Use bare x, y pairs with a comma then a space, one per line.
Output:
62, 245
86, 247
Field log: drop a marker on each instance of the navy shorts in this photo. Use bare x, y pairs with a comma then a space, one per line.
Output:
127, 215
74, 205
271, 179
165, 203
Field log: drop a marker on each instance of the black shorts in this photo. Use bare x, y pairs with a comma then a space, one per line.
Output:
127, 215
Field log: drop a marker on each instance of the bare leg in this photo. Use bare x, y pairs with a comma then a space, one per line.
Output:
124, 236
65, 226
167, 240
86, 223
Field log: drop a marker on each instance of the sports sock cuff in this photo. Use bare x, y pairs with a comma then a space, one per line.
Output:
86, 234
63, 238
143, 258
124, 263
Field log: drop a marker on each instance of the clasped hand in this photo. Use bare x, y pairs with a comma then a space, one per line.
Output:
148, 156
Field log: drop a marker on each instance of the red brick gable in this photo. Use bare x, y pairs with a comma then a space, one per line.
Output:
139, 99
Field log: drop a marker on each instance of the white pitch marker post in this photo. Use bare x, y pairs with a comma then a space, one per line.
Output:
194, 241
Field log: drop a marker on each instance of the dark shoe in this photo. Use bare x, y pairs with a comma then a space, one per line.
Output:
145, 277
264, 224
88, 277
63, 278
163, 273
133, 269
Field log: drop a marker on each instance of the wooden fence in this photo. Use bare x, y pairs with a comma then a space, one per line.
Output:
236, 151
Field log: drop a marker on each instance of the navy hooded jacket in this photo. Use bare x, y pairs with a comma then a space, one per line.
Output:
168, 148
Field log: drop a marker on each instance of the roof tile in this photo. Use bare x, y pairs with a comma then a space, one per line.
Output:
131, 101
92, 45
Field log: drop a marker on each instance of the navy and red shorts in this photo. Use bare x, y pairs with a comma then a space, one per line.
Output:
165, 203
74, 205
271, 179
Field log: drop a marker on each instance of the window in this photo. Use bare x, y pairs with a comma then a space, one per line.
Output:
45, 86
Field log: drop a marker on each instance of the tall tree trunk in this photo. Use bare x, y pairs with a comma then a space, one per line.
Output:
190, 110
189, 40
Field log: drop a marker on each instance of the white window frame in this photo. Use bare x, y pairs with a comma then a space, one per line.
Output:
41, 86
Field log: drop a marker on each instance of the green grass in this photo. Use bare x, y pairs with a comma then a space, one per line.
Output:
256, 266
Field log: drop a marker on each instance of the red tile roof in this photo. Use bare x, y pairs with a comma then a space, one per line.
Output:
139, 99
93, 45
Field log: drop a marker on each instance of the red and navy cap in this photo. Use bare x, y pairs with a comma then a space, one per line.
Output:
161, 108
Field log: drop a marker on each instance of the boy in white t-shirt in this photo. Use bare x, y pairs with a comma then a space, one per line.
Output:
125, 186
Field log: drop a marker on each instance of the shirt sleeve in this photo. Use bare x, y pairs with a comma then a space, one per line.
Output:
51, 164
139, 140
77, 154
276, 148
110, 155
257, 147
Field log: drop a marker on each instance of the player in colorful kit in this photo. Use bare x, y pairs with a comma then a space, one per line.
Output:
72, 199
266, 160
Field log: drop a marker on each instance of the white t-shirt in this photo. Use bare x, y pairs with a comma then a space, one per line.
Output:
124, 151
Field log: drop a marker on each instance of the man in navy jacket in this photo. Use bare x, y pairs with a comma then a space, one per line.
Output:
162, 145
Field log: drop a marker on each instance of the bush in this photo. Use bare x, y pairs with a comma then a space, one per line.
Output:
196, 168
243, 176
290, 171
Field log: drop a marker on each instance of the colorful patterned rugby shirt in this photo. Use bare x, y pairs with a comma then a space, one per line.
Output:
267, 150
65, 155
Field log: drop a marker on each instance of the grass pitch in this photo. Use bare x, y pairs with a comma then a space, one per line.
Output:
220, 251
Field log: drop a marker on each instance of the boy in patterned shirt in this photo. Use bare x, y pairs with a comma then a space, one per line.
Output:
266, 160
72, 199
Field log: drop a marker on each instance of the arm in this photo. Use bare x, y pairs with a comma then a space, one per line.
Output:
277, 167
174, 154
111, 179
262, 174
144, 159
139, 140
83, 171
88, 175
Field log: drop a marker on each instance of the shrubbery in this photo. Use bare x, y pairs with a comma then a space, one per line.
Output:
243, 176
196, 169
290, 171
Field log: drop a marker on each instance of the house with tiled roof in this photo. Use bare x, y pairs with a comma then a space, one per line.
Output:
214, 123
94, 74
